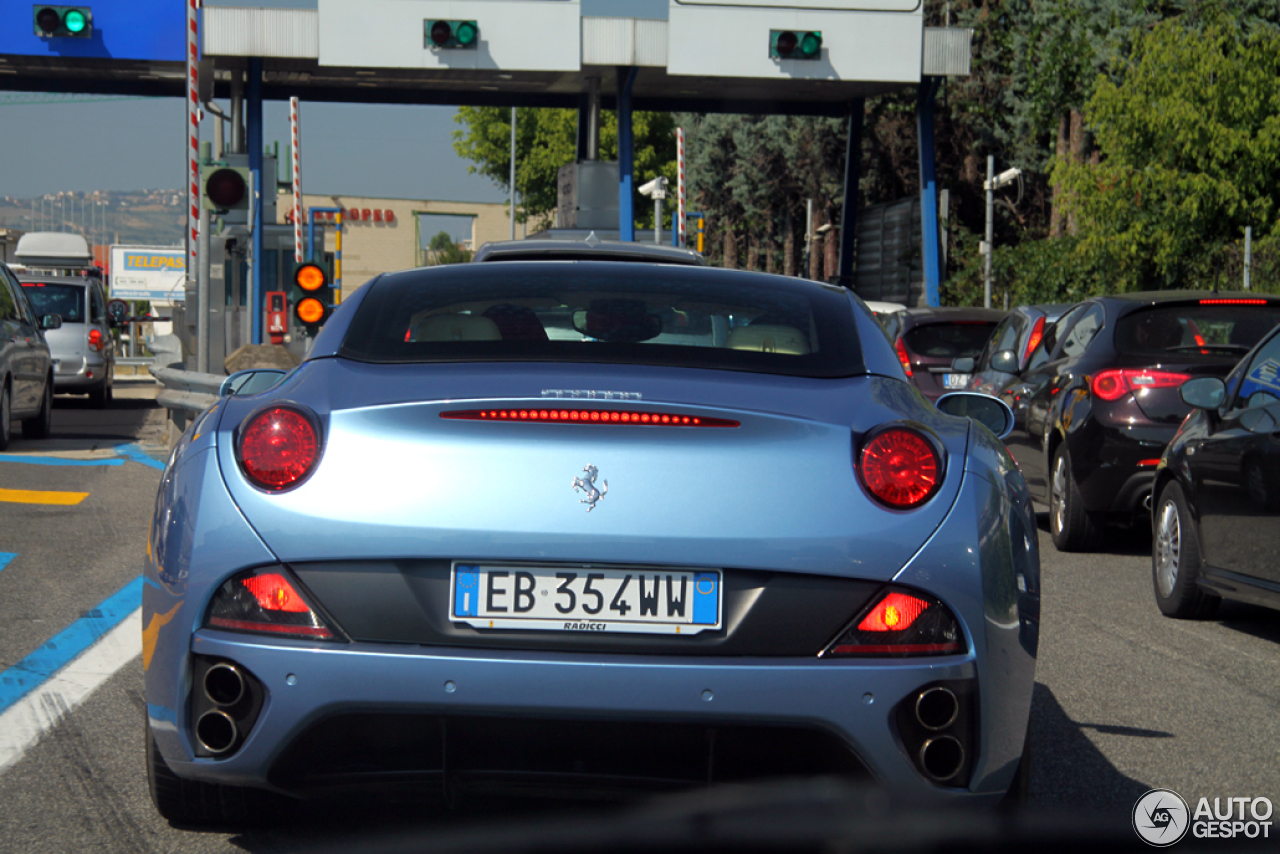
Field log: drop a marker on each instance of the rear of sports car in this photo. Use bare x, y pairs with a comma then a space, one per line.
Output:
591, 527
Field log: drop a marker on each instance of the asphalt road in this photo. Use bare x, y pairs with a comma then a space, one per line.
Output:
1126, 700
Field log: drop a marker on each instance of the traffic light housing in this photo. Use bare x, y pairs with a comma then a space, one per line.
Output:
224, 188
315, 302
795, 44
74, 22
451, 35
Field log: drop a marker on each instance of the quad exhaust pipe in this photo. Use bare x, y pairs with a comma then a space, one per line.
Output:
224, 684
937, 708
216, 731
942, 757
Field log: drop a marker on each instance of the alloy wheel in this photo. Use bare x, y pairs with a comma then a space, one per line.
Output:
1058, 493
1168, 548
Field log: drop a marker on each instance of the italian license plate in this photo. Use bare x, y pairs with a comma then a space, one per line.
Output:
642, 600
955, 380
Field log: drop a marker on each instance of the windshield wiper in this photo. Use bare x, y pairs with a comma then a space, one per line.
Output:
1234, 348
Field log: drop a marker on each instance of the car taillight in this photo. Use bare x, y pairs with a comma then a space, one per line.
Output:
900, 468
1237, 301
1116, 383
901, 350
278, 447
589, 416
900, 623
268, 601
1037, 333
95, 339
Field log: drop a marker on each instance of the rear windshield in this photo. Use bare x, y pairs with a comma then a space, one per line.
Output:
607, 313
1192, 328
953, 340
60, 299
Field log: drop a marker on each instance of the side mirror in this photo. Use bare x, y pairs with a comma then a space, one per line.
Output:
1005, 361
51, 321
991, 412
1203, 392
252, 381
963, 365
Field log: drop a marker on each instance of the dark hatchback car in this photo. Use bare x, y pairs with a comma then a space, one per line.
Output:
1102, 398
1008, 350
930, 339
1216, 521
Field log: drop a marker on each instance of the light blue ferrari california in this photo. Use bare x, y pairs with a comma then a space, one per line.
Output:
589, 525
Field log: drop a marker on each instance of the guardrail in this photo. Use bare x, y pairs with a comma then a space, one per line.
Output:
186, 394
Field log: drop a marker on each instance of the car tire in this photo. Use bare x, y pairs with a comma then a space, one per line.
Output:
6, 416
1072, 527
102, 396
40, 425
195, 803
1175, 559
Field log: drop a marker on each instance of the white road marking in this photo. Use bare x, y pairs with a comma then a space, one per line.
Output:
26, 721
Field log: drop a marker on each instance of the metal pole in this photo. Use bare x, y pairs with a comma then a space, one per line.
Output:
680, 199
626, 154
593, 118
262, 185
203, 295
337, 257
849, 207
986, 276
193, 138
657, 220
1248, 253
296, 160
513, 173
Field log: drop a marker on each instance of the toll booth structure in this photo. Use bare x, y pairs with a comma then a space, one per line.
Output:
798, 57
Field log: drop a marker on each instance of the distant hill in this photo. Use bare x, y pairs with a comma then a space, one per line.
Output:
146, 217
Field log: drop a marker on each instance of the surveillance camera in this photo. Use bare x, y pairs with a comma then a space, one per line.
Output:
1006, 178
657, 188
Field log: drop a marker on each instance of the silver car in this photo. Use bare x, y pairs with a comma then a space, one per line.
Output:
83, 348
26, 374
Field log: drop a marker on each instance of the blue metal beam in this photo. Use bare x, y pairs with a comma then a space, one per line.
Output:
928, 190
253, 141
626, 154
852, 174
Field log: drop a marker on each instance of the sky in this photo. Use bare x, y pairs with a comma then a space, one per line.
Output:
351, 149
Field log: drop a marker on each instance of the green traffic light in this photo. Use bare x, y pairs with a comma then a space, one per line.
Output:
465, 33
74, 21
811, 44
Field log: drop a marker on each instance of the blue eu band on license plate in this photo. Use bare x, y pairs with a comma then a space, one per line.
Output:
643, 600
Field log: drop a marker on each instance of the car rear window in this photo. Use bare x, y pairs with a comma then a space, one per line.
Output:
952, 340
604, 312
66, 300
1194, 327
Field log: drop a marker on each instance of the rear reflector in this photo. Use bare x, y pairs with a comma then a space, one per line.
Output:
1117, 382
1154, 462
589, 416
1233, 302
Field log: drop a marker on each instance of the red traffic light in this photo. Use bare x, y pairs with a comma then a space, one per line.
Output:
225, 187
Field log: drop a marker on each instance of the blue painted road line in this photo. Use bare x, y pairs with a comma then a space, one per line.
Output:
33, 460
5, 557
136, 454
32, 672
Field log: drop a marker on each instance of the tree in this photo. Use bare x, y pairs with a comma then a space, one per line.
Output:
546, 139
443, 250
1190, 153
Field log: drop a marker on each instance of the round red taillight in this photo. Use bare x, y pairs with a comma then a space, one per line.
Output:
278, 447
900, 468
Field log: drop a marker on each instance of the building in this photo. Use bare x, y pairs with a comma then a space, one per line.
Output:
390, 234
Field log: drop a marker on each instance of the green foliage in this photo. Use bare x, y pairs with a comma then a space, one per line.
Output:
546, 139
1190, 144
1054, 270
442, 250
